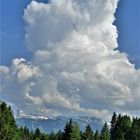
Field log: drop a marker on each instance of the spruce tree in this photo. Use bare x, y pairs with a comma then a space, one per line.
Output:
113, 125
88, 134
97, 135
59, 135
71, 131
122, 128
37, 134
75, 135
68, 130
52, 136
8, 126
135, 129
105, 135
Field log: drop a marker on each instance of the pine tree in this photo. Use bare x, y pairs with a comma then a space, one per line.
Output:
71, 131
52, 136
59, 135
135, 129
88, 134
113, 125
68, 130
122, 128
126, 126
8, 126
97, 135
105, 135
75, 135
37, 134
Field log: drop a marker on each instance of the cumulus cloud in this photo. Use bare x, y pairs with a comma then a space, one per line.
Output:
75, 69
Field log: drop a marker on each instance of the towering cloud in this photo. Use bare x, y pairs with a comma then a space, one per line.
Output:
75, 69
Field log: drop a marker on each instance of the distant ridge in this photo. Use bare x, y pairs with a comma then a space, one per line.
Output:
58, 123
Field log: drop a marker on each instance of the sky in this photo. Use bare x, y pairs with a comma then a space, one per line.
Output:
12, 30
43, 58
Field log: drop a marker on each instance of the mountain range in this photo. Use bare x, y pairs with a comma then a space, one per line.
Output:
56, 123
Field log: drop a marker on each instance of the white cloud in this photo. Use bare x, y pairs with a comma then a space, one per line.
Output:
75, 69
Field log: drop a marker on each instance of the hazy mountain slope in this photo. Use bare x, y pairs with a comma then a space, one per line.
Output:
57, 123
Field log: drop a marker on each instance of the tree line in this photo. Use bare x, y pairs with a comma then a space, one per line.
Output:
120, 128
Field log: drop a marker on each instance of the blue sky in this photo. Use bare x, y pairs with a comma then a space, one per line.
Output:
12, 30
128, 23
